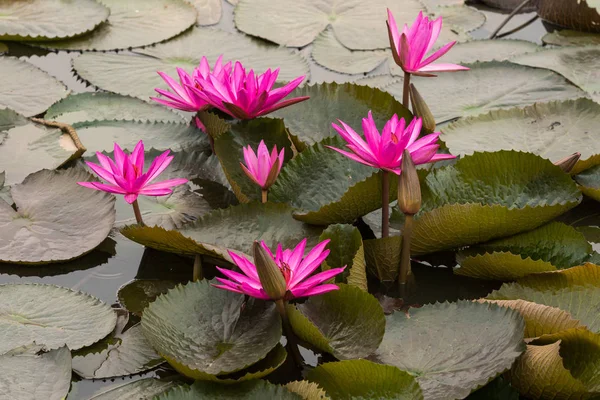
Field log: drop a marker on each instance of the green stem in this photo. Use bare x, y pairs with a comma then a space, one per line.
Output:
508, 18
406, 91
197, 274
265, 194
138, 214
385, 203
292, 343
405, 255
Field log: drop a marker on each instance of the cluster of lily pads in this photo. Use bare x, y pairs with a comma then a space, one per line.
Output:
506, 214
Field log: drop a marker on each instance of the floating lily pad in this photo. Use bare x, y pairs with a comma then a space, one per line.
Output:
28, 373
209, 11
589, 182
362, 379
452, 348
548, 248
55, 219
307, 390
51, 316
133, 23
510, 5
220, 339
296, 24
327, 187
310, 121
135, 74
49, 19
348, 323
137, 294
571, 38
488, 50
253, 390
489, 195
143, 389
87, 107
383, 257
576, 15
346, 250
489, 86
460, 16
27, 89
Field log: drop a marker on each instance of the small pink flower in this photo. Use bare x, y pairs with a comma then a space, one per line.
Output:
385, 151
125, 174
295, 269
263, 168
410, 47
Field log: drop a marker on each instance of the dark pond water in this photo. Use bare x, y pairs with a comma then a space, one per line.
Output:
102, 276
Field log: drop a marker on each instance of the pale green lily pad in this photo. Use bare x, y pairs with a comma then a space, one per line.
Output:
553, 130
348, 323
220, 339
488, 86
346, 250
362, 379
133, 23
460, 16
49, 19
52, 316
88, 107
327, 188
548, 248
589, 182
509, 5
55, 219
296, 24
488, 50
472, 344
27, 89
5, 190
209, 11
571, 38
143, 389
27, 373
253, 390
135, 74
489, 195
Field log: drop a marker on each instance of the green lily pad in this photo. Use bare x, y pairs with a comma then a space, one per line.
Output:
143, 389
296, 24
307, 390
27, 89
346, 250
473, 343
88, 107
135, 74
220, 339
547, 248
52, 316
579, 65
3, 48
26, 373
234, 228
310, 121
49, 19
489, 86
133, 23
327, 188
253, 390
571, 38
488, 50
229, 149
460, 16
136, 295
348, 323
362, 379
383, 257
489, 195
209, 11
577, 15
55, 219
589, 182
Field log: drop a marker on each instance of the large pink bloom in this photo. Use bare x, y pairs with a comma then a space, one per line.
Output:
410, 47
262, 167
295, 269
125, 174
385, 151
244, 95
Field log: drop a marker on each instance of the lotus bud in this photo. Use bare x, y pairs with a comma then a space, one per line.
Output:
567, 163
421, 109
409, 188
269, 274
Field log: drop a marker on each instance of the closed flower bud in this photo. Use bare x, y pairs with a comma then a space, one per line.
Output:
409, 188
269, 274
421, 109
567, 163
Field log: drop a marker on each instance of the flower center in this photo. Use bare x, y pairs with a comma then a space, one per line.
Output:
286, 271
394, 138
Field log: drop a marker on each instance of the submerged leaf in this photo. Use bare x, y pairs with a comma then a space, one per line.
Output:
346, 250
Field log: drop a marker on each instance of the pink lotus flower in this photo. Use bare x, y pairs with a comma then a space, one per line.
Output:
410, 47
125, 174
244, 95
263, 168
385, 151
295, 270
184, 98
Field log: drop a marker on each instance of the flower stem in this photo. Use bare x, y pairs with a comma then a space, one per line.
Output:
406, 90
508, 18
385, 203
405, 271
265, 194
197, 274
292, 344
138, 214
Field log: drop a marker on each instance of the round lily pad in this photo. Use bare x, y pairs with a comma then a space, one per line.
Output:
133, 23
27, 89
135, 74
52, 316
460, 16
346, 250
589, 182
220, 339
383, 257
473, 343
143, 389
488, 50
29, 373
571, 38
209, 11
253, 390
55, 219
49, 19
